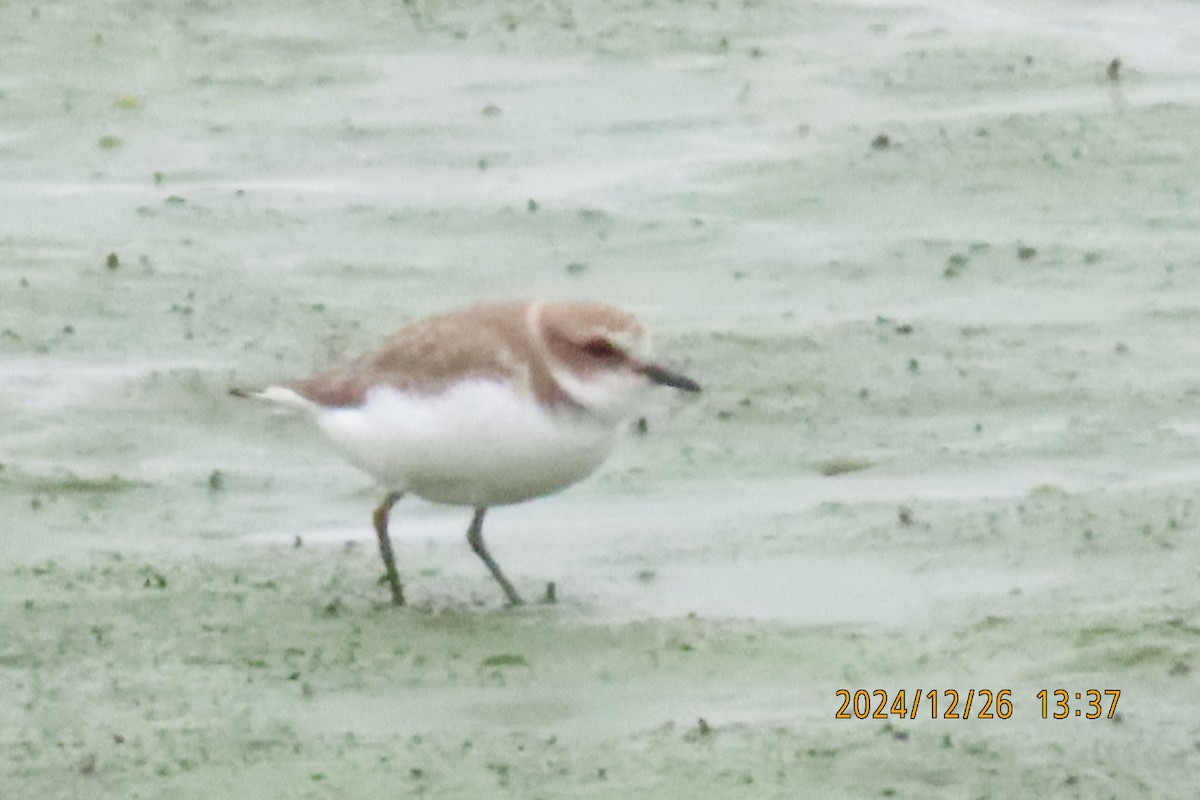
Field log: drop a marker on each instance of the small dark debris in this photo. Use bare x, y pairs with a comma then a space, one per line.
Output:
491, 110
297, 542
155, 580
703, 726
118, 739
216, 481
551, 596
504, 660
68, 330
1114, 70
905, 515
842, 466
532, 205
175, 200
112, 261
881, 142
955, 265
914, 365
904, 330
1121, 349
158, 178
1025, 252
641, 427
335, 607
576, 268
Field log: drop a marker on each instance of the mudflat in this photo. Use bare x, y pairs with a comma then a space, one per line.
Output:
935, 265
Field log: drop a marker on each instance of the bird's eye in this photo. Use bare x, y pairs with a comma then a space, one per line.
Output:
600, 348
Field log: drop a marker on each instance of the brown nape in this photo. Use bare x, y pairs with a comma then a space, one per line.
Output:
483, 342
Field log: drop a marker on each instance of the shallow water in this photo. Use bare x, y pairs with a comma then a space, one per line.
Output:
829, 589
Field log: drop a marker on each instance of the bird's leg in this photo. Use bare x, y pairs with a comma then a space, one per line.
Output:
475, 539
385, 546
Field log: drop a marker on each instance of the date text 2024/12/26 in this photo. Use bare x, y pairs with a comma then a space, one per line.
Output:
981, 703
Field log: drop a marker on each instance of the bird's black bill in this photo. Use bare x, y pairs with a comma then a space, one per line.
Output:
665, 377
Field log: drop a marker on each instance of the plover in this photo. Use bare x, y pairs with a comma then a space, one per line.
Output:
485, 406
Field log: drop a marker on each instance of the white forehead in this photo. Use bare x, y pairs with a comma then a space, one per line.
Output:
634, 341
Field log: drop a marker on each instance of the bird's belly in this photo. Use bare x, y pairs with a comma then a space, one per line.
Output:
479, 443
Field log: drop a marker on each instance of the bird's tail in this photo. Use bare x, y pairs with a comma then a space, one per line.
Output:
279, 396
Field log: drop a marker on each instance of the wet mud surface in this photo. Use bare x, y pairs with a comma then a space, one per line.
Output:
935, 265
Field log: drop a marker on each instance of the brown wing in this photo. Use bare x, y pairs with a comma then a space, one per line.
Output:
485, 342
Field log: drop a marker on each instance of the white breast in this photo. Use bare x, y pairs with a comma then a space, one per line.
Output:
479, 443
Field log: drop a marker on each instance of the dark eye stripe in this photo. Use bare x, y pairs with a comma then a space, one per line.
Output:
600, 348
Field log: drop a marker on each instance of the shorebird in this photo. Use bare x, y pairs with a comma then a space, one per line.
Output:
485, 406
